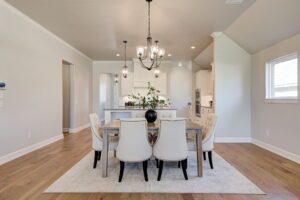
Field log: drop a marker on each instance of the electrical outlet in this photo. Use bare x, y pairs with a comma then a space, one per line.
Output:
29, 134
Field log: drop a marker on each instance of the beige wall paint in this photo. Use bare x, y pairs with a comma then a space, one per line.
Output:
232, 88
31, 65
280, 120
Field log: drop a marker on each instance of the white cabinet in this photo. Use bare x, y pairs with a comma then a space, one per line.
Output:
204, 81
127, 85
161, 84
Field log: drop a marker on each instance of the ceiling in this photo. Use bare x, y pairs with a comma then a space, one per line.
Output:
98, 27
265, 23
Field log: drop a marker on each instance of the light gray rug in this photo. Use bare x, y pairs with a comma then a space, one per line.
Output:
224, 178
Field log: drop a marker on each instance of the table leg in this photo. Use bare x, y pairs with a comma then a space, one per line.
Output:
105, 153
199, 152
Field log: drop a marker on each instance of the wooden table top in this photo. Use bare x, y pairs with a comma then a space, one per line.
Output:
116, 124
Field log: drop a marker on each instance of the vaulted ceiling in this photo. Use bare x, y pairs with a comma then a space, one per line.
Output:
265, 23
98, 27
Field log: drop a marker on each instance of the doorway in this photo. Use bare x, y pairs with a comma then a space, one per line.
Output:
67, 96
108, 93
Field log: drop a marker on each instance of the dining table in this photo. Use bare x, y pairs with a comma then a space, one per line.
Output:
114, 127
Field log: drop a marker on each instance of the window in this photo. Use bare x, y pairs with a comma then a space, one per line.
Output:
282, 78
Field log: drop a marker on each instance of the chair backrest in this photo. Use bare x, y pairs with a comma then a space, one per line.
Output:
166, 114
96, 131
133, 143
209, 132
171, 144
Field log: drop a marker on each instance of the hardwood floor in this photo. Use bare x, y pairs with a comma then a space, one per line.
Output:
28, 176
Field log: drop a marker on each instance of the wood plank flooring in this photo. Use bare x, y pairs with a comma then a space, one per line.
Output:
28, 176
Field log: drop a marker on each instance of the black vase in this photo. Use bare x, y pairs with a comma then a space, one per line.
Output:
151, 116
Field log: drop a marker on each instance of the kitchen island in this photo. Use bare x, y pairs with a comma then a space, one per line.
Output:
132, 112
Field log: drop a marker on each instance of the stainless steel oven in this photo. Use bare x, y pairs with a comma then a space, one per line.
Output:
198, 102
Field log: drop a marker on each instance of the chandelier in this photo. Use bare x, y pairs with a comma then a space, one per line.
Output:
151, 59
125, 68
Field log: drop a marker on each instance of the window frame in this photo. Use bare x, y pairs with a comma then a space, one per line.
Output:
269, 76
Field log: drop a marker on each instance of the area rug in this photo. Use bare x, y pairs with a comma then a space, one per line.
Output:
224, 178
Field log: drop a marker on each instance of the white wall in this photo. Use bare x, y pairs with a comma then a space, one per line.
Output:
31, 65
180, 85
280, 120
232, 88
106, 93
179, 82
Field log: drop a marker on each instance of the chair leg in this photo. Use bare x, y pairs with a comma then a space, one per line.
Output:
156, 160
204, 155
95, 159
179, 164
99, 155
210, 159
184, 167
122, 165
145, 165
115, 153
161, 164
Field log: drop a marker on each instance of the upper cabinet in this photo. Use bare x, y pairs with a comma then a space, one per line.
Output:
204, 81
127, 85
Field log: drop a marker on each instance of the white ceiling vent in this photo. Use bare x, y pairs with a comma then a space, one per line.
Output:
234, 1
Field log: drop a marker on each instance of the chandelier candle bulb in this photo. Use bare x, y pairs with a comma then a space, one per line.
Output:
156, 73
140, 51
161, 52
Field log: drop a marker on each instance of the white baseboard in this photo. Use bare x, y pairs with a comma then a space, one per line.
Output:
80, 128
23, 151
277, 150
232, 140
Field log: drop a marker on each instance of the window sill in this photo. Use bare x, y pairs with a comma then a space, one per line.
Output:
284, 101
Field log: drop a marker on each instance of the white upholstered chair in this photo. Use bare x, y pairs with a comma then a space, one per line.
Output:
166, 115
133, 144
208, 132
97, 138
171, 144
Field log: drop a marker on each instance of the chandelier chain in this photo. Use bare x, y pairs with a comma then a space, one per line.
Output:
149, 19
125, 53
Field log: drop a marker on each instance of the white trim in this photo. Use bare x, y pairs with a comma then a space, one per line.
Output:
78, 129
39, 26
277, 150
232, 140
26, 150
284, 101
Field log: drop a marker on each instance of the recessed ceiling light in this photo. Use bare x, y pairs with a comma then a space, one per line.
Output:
169, 55
234, 1
117, 54
193, 47
179, 64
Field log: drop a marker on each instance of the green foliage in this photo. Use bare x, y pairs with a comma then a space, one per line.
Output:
151, 100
